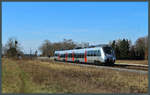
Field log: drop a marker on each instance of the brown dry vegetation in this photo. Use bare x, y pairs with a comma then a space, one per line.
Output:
133, 61
35, 76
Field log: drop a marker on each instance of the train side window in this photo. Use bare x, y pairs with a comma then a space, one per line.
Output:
82, 55
78, 55
98, 53
95, 52
87, 53
75, 55
69, 55
66, 55
63, 55
90, 53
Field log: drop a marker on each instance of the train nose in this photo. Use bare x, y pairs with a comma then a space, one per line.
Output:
107, 60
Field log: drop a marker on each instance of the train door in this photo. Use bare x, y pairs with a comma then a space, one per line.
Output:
85, 56
89, 56
73, 56
66, 56
58, 56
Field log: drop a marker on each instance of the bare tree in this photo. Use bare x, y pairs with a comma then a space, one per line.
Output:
46, 48
12, 48
141, 47
68, 44
36, 52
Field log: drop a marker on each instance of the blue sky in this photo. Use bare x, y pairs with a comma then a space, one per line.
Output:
94, 22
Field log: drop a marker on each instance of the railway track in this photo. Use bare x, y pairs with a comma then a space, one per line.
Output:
117, 66
131, 66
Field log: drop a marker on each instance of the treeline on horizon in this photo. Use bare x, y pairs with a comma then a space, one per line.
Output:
124, 49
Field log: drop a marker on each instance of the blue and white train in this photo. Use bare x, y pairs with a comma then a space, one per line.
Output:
100, 54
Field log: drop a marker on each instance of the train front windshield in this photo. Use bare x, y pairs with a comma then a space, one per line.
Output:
108, 50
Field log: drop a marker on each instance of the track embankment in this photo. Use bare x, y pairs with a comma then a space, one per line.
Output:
127, 67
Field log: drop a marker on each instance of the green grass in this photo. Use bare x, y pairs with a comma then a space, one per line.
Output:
34, 76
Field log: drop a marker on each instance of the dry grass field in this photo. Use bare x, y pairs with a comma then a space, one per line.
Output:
145, 62
34, 76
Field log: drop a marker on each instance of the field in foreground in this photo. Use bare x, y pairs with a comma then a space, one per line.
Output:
34, 76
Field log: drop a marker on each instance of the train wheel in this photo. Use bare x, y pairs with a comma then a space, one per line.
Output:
96, 62
112, 63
